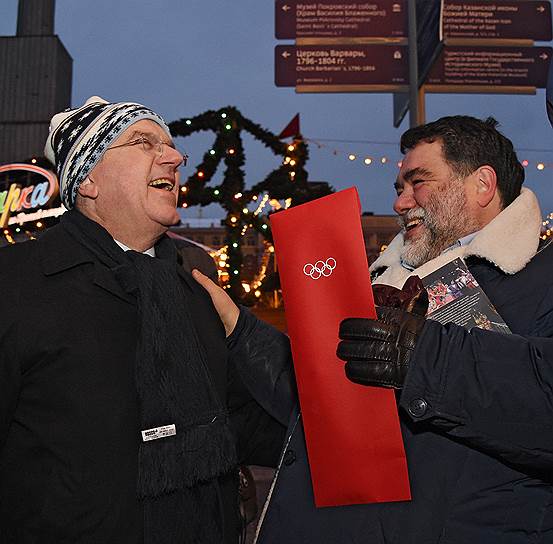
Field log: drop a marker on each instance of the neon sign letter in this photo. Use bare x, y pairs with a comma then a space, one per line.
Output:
17, 198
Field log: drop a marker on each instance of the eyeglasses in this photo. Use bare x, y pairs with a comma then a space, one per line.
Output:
152, 148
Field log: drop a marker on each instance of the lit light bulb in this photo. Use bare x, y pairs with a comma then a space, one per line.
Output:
383, 160
237, 195
368, 161
540, 166
224, 115
351, 157
291, 147
216, 192
188, 122
212, 151
228, 127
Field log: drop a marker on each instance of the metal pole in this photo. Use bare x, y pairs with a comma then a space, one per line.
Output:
413, 66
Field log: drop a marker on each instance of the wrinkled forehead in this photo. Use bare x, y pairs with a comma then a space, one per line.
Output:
148, 128
425, 158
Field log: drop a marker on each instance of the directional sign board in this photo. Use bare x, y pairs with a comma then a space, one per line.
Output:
469, 66
377, 66
340, 19
498, 20
327, 67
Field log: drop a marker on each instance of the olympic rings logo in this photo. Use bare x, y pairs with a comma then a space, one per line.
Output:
320, 268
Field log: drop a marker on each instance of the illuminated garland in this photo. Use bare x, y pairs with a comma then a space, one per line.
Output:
379, 159
547, 227
287, 182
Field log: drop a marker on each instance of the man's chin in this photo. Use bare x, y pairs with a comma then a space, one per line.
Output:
165, 221
416, 251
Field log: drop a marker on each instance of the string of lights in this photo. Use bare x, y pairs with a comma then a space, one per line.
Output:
375, 159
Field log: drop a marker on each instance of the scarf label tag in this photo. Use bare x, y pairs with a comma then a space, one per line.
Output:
158, 432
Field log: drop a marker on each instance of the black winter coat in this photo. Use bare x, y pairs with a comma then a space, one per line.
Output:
477, 421
69, 414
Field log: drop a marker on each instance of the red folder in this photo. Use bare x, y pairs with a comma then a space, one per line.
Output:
353, 436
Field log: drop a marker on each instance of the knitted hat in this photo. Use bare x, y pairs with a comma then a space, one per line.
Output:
79, 137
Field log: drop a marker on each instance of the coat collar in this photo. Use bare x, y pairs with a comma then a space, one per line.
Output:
509, 241
61, 252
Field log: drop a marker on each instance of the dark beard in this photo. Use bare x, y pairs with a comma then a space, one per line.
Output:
446, 220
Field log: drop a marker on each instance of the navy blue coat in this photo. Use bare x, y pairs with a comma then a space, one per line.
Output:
477, 421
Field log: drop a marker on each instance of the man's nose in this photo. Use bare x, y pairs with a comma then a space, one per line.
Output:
171, 155
405, 201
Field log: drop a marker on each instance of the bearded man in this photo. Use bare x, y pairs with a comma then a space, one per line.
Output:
475, 407
122, 417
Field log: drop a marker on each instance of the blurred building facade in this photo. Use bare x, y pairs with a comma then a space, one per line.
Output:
378, 231
35, 81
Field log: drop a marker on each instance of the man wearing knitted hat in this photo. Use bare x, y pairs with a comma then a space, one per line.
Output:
122, 415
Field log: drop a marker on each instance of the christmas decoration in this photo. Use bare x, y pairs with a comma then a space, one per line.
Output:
288, 182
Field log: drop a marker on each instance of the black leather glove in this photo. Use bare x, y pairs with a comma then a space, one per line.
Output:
377, 351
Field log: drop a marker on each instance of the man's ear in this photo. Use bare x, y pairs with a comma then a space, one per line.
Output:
88, 189
485, 180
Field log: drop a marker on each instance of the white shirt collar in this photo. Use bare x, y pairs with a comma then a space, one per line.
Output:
151, 251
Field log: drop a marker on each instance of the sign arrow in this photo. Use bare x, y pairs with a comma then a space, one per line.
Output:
541, 9
286, 54
286, 7
543, 56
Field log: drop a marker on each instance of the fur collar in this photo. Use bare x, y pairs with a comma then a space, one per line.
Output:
509, 241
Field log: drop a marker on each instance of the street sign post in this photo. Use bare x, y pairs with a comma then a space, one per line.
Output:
461, 46
499, 20
425, 46
341, 68
381, 68
330, 21
469, 68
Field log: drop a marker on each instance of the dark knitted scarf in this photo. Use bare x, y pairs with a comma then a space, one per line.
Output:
176, 474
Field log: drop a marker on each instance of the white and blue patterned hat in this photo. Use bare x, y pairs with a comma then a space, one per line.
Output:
79, 137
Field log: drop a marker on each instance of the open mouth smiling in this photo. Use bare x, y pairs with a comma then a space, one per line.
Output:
163, 184
411, 224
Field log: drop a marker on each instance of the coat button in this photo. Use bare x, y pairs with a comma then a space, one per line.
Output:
289, 457
418, 407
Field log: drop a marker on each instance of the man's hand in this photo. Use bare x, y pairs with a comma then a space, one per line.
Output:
227, 310
378, 351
